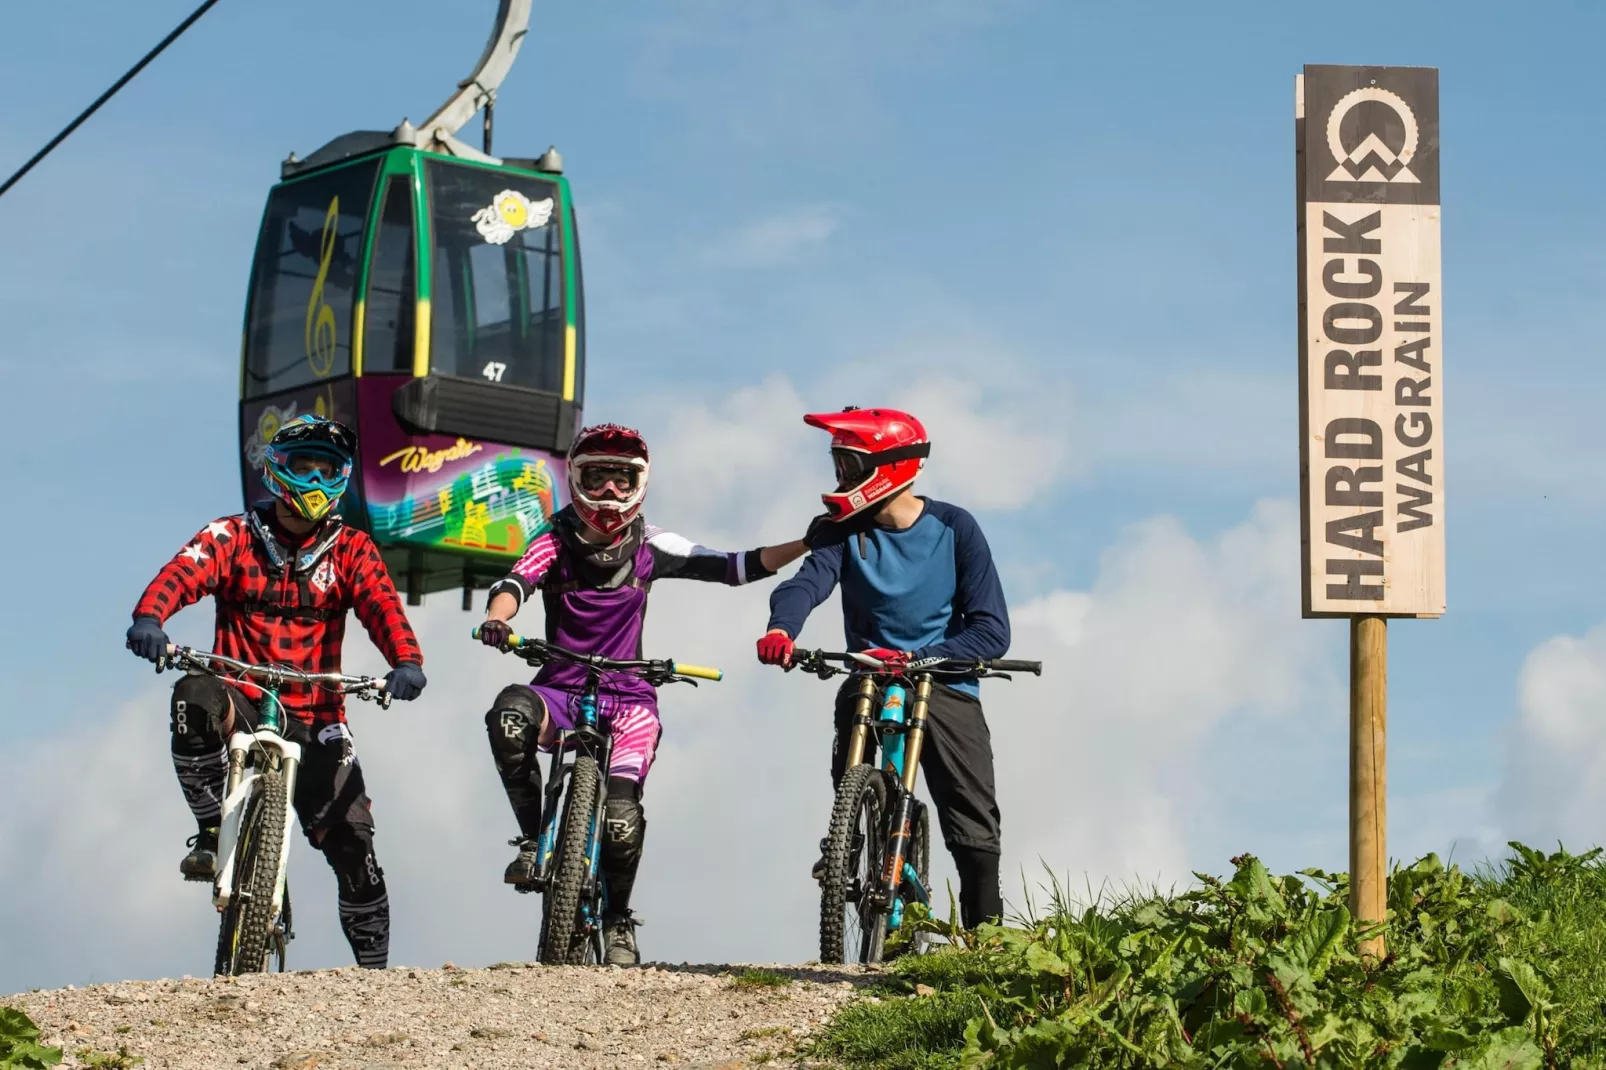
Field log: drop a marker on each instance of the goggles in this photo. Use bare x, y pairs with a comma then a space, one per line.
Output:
623, 478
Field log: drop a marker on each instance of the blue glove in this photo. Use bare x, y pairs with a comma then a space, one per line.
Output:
405, 681
146, 639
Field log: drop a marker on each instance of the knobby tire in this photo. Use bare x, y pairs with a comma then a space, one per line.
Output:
563, 940
245, 936
859, 813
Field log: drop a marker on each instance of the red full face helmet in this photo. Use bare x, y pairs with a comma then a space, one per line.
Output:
608, 476
877, 453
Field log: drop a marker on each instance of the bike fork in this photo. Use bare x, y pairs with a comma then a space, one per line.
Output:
902, 823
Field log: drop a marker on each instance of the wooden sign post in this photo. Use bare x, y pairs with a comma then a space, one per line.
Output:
1371, 416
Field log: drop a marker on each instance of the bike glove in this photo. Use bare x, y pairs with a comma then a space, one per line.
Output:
775, 648
146, 639
405, 681
495, 633
894, 660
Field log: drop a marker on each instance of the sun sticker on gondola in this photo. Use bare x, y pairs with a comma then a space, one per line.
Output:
509, 212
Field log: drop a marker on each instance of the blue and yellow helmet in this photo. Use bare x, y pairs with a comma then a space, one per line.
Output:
308, 464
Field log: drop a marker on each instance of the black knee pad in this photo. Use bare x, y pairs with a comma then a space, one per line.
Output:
350, 852
624, 827
512, 724
200, 708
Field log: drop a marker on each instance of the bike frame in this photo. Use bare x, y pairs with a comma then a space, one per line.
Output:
589, 735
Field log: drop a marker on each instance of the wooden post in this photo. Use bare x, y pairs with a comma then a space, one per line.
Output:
1368, 773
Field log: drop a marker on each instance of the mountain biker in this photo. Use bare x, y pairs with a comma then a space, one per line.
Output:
917, 582
593, 571
282, 576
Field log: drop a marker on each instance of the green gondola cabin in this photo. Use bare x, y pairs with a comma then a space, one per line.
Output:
434, 303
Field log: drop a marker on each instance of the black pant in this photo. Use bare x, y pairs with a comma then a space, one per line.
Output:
331, 801
957, 760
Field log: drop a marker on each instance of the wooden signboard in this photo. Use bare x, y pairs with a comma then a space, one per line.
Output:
1371, 375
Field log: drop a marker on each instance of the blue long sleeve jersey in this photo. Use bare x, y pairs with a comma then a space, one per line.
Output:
930, 589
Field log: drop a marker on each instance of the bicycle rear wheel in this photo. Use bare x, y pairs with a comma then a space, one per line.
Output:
246, 934
853, 848
564, 933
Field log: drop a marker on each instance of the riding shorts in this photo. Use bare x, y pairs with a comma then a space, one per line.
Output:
633, 724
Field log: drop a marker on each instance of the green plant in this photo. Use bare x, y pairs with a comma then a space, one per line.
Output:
752, 978
1503, 968
19, 1043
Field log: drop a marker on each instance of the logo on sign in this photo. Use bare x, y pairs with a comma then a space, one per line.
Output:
1373, 134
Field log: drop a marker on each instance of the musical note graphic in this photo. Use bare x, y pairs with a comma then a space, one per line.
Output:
322, 329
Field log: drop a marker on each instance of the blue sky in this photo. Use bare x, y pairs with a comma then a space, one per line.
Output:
1067, 228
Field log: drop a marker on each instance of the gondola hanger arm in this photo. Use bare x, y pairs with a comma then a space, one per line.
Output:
479, 89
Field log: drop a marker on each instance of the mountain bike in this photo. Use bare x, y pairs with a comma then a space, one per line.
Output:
252, 889
878, 846
574, 897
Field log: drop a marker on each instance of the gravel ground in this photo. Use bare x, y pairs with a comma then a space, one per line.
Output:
510, 1015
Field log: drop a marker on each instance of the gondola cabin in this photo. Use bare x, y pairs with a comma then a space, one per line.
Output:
434, 303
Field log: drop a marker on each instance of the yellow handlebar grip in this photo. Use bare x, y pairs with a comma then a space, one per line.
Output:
698, 671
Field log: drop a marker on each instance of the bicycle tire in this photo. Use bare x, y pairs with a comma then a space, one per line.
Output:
862, 793
245, 939
562, 938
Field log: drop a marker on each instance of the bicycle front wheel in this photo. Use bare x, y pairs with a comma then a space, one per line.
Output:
564, 932
246, 934
853, 849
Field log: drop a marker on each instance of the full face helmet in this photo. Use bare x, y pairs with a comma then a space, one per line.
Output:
877, 453
608, 476
308, 464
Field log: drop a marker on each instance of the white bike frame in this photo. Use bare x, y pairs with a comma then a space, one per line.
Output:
248, 753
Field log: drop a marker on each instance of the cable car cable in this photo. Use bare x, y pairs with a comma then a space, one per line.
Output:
104, 97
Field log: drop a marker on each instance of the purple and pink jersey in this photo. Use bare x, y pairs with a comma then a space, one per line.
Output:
607, 619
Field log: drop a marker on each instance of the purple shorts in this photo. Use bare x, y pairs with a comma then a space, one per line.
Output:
633, 724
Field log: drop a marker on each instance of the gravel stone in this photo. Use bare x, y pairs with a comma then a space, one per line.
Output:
512, 1015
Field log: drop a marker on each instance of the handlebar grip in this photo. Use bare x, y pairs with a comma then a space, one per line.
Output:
513, 640
698, 671
1001, 665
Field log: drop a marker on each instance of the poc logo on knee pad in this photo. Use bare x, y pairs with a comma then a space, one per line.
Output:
181, 717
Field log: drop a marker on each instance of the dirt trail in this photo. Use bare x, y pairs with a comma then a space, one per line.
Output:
510, 1015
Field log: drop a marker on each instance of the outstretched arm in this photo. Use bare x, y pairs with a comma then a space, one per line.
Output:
677, 557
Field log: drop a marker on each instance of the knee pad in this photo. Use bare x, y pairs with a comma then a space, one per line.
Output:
200, 707
624, 827
512, 724
349, 850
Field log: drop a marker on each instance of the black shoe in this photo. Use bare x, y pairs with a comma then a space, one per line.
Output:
522, 870
619, 940
201, 863
818, 872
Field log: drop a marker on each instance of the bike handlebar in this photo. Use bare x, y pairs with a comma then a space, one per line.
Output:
821, 662
363, 687
532, 649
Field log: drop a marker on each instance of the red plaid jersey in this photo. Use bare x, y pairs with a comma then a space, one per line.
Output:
227, 561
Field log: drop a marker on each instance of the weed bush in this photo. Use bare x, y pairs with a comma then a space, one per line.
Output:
19, 1043
1501, 968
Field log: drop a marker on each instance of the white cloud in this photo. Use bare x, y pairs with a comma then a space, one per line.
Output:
778, 239
1554, 785
1098, 761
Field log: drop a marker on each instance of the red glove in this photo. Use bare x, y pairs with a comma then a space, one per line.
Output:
894, 660
775, 648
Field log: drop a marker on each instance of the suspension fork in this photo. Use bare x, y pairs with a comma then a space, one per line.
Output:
862, 719
902, 824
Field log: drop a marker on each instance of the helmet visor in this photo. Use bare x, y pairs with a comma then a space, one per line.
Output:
622, 479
